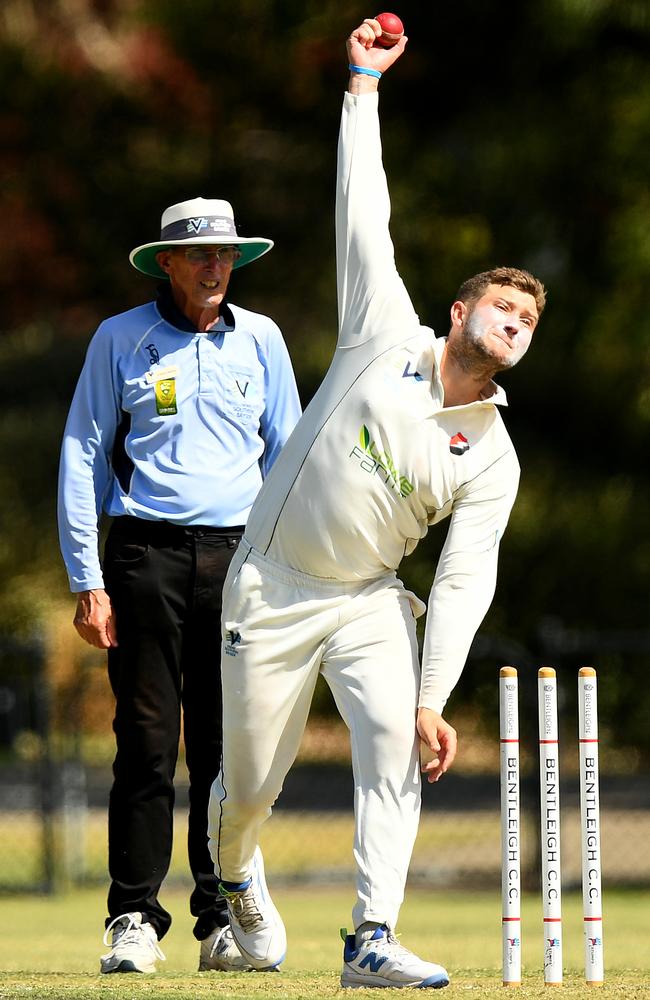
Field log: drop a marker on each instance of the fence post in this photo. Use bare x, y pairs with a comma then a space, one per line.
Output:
42, 701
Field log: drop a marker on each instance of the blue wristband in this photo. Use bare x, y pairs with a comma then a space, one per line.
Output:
366, 70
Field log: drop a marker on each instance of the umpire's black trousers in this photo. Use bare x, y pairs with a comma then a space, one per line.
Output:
165, 584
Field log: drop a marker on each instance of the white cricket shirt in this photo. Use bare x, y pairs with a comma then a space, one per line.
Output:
376, 458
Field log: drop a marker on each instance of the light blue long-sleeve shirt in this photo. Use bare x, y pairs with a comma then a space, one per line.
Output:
171, 424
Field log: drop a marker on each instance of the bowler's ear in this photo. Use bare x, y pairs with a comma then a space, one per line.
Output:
163, 258
458, 313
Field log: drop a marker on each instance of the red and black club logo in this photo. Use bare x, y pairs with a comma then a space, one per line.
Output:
458, 444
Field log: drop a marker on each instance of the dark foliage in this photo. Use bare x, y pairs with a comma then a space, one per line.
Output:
512, 135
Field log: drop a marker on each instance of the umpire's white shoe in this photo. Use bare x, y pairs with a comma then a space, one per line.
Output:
220, 953
256, 924
134, 945
382, 961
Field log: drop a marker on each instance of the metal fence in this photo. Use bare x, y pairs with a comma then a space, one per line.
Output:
53, 806
53, 828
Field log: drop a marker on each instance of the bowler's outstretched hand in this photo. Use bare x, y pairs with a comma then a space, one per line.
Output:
361, 50
441, 741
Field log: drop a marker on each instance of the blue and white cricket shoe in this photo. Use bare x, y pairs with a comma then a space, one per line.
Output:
255, 922
383, 962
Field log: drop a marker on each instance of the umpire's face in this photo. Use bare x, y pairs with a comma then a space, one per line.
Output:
199, 276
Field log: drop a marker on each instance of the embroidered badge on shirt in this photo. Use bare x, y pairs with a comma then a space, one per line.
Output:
458, 444
165, 390
242, 394
407, 373
232, 640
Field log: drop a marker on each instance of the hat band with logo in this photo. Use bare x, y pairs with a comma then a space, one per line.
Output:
184, 228
199, 221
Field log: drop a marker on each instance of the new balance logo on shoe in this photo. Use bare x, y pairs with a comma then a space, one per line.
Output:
373, 961
381, 961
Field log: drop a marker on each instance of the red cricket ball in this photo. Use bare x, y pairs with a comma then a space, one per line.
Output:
392, 30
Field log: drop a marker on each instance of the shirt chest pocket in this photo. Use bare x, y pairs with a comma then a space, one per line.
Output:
242, 391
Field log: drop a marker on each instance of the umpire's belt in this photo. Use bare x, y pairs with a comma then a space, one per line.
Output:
165, 532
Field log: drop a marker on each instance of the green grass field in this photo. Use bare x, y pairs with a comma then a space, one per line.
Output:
50, 947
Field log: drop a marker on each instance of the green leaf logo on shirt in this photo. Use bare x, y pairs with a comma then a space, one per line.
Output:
381, 464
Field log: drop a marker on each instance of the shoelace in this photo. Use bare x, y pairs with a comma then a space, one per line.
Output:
244, 907
391, 941
133, 933
221, 941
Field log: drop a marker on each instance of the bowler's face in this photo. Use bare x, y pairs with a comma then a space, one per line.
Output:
501, 324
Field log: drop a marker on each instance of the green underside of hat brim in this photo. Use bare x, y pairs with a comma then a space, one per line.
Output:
144, 258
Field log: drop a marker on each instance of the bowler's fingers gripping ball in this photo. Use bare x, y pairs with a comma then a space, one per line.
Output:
392, 30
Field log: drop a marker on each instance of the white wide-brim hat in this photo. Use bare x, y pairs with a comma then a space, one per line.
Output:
191, 223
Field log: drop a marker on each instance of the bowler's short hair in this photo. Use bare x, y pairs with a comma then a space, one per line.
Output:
472, 289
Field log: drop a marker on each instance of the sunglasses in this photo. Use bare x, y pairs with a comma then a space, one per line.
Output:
222, 255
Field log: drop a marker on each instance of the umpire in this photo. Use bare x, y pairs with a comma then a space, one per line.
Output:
181, 408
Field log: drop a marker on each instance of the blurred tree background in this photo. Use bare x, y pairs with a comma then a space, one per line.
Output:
512, 134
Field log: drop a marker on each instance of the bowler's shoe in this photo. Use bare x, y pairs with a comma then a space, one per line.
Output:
256, 924
382, 961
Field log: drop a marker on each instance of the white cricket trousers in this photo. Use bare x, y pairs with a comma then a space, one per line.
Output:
280, 629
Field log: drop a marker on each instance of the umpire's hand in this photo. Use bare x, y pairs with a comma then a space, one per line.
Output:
94, 619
